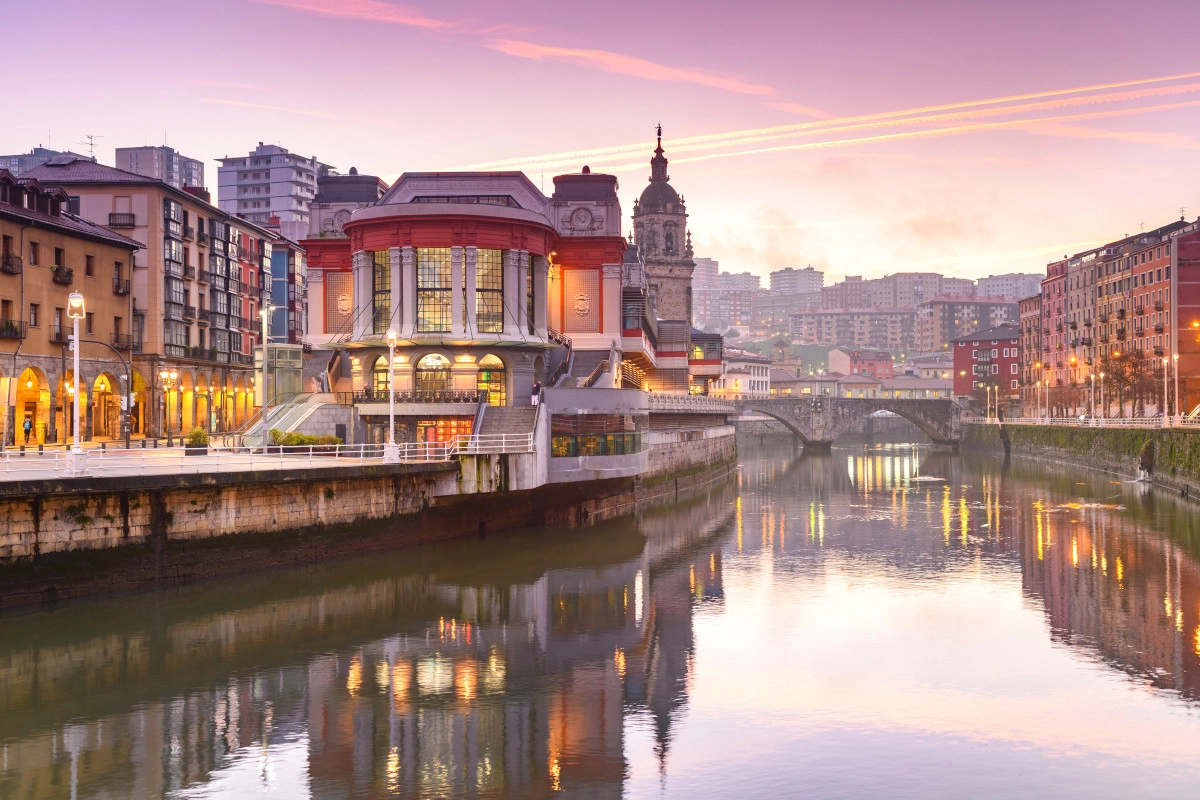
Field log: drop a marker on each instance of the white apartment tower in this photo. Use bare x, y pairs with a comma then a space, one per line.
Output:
269, 182
797, 281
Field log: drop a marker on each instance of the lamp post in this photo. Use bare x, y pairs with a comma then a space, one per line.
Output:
1093, 400
1103, 405
76, 312
168, 378
1038, 410
265, 313
1164, 400
391, 451
1175, 358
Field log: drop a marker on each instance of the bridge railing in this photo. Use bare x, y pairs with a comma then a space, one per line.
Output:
695, 403
1090, 422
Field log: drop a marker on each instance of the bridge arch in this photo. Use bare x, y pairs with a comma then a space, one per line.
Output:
822, 419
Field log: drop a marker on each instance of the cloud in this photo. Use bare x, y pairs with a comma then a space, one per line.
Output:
796, 108
308, 112
910, 116
372, 10
626, 65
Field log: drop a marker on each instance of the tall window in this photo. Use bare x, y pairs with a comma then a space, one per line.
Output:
382, 293
433, 373
529, 296
489, 291
434, 289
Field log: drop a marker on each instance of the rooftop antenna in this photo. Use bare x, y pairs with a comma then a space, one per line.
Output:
1182, 213
91, 143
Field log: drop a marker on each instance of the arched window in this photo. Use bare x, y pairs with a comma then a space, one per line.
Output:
379, 376
433, 373
493, 379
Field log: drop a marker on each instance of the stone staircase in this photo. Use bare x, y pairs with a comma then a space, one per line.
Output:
508, 419
585, 362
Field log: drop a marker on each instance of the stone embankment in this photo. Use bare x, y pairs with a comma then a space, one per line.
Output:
69, 539
1171, 457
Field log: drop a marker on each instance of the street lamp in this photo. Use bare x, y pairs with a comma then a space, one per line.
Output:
1093, 403
168, 378
1103, 405
391, 451
76, 312
1175, 358
1164, 400
265, 313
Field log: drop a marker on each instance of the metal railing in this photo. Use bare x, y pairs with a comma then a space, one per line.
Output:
12, 329
10, 263
122, 221
690, 402
1090, 422
418, 396
33, 464
120, 287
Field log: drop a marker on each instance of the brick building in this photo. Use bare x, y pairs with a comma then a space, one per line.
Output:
988, 358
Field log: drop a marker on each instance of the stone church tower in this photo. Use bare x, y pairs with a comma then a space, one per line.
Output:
660, 231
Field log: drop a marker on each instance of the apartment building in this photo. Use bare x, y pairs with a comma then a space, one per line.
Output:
797, 281
17, 163
46, 254
941, 320
988, 359
1011, 285
868, 363
196, 290
162, 163
268, 182
876, 328
1030, 324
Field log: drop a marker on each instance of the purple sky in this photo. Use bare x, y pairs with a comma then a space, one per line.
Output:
546, 87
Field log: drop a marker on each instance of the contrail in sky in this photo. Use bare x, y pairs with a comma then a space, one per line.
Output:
905, 116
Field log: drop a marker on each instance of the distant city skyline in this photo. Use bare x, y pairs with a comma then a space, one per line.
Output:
934, 138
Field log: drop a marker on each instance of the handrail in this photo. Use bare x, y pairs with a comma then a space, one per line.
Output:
599, 370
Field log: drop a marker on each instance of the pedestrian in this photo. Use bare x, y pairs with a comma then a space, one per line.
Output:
537, 393
28, 428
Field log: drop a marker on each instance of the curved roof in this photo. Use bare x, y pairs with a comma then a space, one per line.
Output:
658, 196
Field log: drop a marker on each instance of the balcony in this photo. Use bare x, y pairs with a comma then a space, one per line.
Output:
1120, 313
189, 313
120, 287
422, 396
63, 276
1158, 351
243, 254
238, 322
204, 276
1120, 334
201, 238
1086, 341
12, 329
1159, 328
10, 263
1087, 323
1158, 306
122, 221
1058, 327
235, 286
189, 272
189, 234
173, 310
60, 334
1102, 317
122, 341
1074, 326
204, 316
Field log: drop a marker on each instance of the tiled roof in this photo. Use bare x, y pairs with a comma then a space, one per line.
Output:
78, 170
999, 332
67, 223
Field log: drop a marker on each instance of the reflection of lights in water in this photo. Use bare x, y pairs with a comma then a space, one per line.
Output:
637, 580
1093, 556
1197, 640
1104, 564
354, 677
712, 558
1168, 605
812, 521
619, 662
1039, 522
555, 771
821, 523
692, 578
1074, 552
1179, 620
494, 675
381, 676
1120, 573
435, 675
947, 517
781, 542
739, 529
393, 770
401, 678
466, 679
964, 518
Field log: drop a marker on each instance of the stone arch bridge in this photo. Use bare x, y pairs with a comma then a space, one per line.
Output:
820, 420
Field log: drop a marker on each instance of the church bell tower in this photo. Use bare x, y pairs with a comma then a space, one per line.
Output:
660, 230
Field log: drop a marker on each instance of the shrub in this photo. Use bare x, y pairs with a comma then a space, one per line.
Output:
196, 436
296, 439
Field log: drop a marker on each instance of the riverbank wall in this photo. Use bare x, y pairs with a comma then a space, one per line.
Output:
65, 540
1172, 455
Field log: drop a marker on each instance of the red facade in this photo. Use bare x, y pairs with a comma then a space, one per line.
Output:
989, 358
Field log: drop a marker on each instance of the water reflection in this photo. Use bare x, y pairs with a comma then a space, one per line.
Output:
887, 599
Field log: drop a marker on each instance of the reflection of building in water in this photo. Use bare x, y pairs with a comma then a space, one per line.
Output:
424, 686
1113, 585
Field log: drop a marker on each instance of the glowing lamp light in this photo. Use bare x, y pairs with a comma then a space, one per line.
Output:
29, 383
75, 306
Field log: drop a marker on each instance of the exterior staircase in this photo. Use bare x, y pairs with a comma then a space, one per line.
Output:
508, 419
584, 363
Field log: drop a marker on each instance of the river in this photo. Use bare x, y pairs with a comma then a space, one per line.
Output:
885, 621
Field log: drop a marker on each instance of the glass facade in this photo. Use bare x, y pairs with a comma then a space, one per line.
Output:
381, 304
489, 291
434, 288
433, 373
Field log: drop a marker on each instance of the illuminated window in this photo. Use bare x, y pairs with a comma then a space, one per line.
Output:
489, 291
434, 288
433, 373
379, 375
381, 293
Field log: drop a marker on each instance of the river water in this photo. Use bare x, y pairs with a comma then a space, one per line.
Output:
887, 621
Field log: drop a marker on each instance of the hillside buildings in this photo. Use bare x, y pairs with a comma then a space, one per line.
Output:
18, 163
941, 320
797, 281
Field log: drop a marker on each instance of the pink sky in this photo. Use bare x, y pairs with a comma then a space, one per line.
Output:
858, 137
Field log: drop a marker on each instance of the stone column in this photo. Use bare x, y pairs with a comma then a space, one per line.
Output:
541, 267
456, 293
518, 296
408, 280
470, 274
610, 301
361, 263
397, 318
